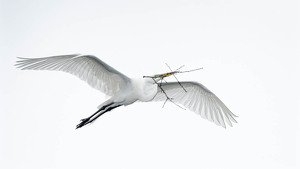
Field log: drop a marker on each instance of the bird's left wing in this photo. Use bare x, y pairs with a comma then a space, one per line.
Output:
89, 68
197, 99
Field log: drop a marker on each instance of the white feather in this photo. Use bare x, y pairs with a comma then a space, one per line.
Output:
197, 99
89, 68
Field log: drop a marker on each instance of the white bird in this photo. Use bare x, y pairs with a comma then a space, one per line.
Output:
125, 91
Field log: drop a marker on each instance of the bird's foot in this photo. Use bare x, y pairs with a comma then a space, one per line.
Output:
83, 122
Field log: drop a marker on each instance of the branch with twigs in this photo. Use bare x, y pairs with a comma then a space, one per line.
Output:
167, 97
161, 77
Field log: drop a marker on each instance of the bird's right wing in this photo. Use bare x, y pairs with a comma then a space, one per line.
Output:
198, 99
89, 68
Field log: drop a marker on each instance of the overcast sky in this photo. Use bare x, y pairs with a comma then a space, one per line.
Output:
248, 50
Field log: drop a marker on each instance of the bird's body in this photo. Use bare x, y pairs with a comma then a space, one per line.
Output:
125, 91
141, 89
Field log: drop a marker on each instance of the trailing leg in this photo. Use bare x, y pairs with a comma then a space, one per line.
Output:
97, 114
100, 114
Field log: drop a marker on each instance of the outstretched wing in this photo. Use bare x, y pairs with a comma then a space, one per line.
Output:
89, 68
197, 99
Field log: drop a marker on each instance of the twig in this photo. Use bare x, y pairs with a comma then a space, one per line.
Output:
167, 97
176, 77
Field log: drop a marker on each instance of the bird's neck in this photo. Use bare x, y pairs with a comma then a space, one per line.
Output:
147, 89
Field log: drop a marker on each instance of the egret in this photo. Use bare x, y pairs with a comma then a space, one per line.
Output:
124, 91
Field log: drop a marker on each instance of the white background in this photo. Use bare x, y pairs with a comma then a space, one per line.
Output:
248, 50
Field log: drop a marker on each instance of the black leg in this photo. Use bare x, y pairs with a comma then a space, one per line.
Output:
109, 109
88, 120
102, 108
